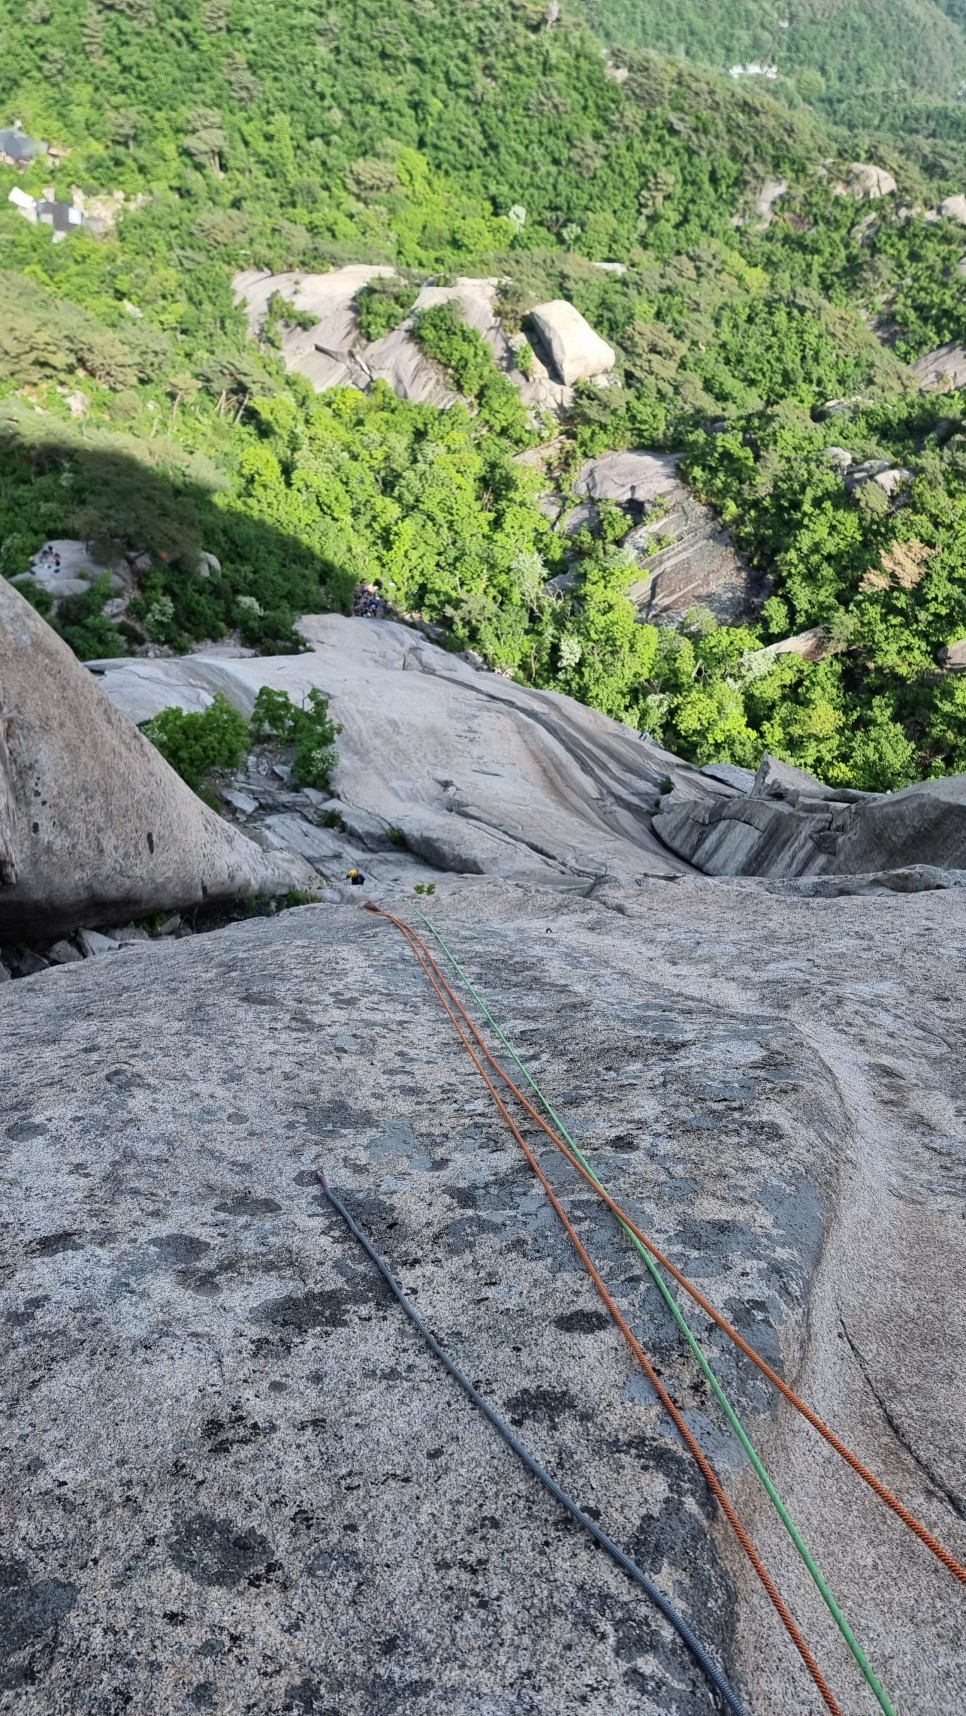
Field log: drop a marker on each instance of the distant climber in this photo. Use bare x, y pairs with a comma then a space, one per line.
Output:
355, 877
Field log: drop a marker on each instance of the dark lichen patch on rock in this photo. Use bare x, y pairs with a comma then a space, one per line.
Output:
248, 1205
334, 1564
177, 1250
378, 1215
582, 1322
222, 1435
397, 1143
307, 1698
548, 1405
203, 1696
28, 1311
125, 1078
300, 1313
21, 1131
30, 1612
336, 1114
217, 1552
52, 1244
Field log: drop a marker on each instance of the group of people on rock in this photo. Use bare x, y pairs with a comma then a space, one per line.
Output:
367, 604
48, 560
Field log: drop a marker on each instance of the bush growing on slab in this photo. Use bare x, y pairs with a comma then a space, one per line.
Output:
82, 622
458, 348
194, 743
382, 305
307, 727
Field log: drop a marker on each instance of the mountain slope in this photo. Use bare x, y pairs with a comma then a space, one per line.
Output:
137, 415
842, 50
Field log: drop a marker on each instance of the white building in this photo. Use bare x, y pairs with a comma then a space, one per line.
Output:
770, 72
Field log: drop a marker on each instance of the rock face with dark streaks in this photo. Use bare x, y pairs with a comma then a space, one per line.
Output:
236, 1481
789, 825
479, 775
686, 558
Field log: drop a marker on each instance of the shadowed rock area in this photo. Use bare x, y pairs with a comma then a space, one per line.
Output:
237, 1482
92, 820
785, 823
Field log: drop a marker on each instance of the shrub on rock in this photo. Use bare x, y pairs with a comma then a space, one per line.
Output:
195, 742
308, 728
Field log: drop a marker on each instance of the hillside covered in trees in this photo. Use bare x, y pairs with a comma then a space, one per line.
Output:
893, 65
454, 137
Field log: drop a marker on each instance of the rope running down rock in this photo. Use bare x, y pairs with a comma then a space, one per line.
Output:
875, 1484
704, 1465
674, 1308
613, 1549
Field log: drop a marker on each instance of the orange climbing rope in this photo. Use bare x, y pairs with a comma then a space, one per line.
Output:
885, 1495
442, 990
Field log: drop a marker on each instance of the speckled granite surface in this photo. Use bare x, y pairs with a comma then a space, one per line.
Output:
237, 1482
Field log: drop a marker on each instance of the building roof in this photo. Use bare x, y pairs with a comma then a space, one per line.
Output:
19, 147
58, 215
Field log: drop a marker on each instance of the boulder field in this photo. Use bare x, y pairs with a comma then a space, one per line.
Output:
235, 1479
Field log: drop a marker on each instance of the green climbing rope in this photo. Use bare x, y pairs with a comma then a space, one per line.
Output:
686, 1330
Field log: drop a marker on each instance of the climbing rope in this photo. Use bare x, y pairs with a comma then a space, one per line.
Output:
689, 1336
438, 983
885, 1495
499, 1424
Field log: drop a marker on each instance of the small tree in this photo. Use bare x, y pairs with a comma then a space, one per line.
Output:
308, 728
194, 743
241, 80
124, 126
206, 142
93, 33
182, 385
83, 624
315, 752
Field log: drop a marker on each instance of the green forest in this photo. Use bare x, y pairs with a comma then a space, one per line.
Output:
890, 65
137, 413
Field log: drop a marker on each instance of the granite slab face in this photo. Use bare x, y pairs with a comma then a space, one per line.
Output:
481, 776
790, 825
236, 1481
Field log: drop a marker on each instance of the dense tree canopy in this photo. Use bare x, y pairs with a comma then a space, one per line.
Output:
896, 65
450, 137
